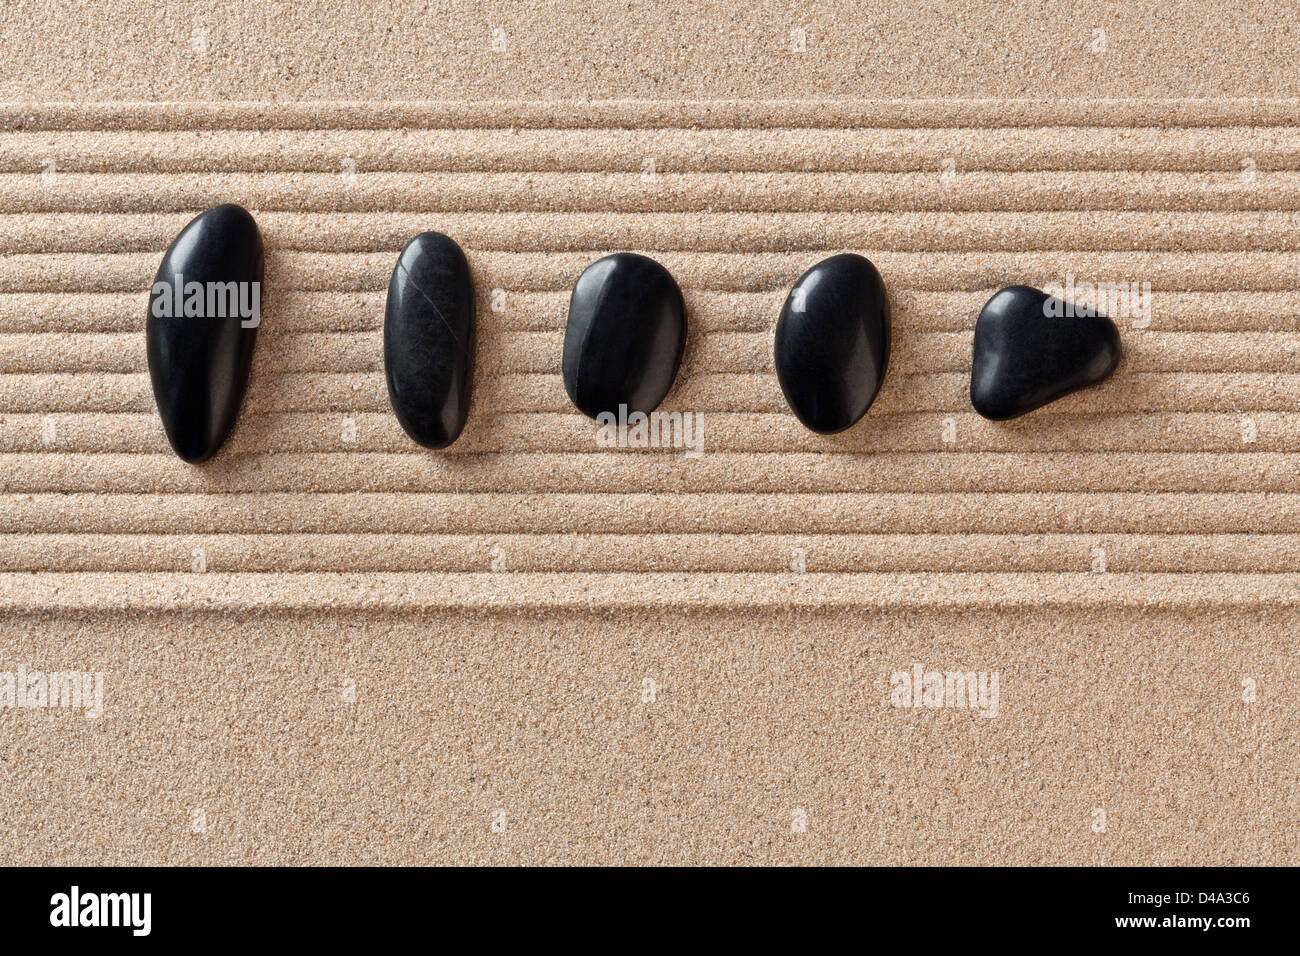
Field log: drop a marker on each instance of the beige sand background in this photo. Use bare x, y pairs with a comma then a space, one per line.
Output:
330, 646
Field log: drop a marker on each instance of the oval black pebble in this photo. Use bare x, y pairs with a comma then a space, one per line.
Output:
625, 335
1031, 350
199, 338
429, 339
832, 342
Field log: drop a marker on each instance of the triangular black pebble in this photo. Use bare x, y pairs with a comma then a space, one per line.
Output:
1032, 348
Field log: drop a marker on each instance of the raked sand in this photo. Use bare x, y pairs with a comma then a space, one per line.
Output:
330, 646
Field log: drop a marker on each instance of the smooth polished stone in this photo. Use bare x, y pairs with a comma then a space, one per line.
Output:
1030, 349
832, 342
204, 311
624, 338
429, 339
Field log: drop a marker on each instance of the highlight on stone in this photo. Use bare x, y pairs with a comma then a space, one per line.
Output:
1031, 349
204, 312
832, 343
429, 339
625, 335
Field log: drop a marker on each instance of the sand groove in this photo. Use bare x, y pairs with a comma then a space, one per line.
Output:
769, 553
397, 592
653, 114
677, 151
624, 192
533, 352
711, 310
1140, 391
387, 231
1134, 512
718, 271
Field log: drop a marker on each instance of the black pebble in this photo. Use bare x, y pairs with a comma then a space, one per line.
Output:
832, 342
429, 339
199, 364
625, 335
1029, 352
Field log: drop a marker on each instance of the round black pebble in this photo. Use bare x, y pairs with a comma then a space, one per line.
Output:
832, 342
625, 334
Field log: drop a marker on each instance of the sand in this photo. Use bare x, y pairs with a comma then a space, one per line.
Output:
330, 646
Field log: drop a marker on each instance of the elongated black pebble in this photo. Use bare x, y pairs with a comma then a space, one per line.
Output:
429, 339
1032, 348
204, 311
625, 334
832, 342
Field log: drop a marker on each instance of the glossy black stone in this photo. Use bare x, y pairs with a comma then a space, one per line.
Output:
1030, 350
832, 342
199, 363
625, 335
429, 339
